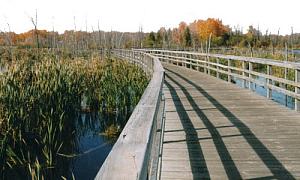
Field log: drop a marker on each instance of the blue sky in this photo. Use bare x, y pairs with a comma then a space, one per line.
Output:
128, 15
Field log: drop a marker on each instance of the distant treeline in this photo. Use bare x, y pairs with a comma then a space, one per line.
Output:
200, 34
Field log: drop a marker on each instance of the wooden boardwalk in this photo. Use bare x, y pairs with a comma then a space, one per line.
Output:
214, 129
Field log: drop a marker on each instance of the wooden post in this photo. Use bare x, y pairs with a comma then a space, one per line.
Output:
249, 75
244, 74
184, 60
191, 62
197, 60
176, 60
218, 68
297, 89
269, 82
205, 64
229, 70
285, 85
208, 66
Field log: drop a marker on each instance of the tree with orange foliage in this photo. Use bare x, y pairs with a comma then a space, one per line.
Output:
176, 36
182, 36
211, 26
181, 29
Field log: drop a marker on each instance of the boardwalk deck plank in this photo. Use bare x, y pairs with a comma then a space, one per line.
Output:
216, 125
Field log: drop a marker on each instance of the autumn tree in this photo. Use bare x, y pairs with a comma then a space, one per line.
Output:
175, 37
181, 33
194, 34
168, 38
211, 27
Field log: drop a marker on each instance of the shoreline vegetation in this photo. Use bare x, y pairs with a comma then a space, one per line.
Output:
40, 100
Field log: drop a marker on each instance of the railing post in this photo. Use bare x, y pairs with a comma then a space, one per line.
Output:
249, 75
229, 70
191, 62
184, 60
208, 65
129, 54
197, 60
205, 64
285, 85
244, 73
218, 68
176, 59
297, 89
269, 82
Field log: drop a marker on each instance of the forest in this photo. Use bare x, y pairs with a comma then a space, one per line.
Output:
200, 35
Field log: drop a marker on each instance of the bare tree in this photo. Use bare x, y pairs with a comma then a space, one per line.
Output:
75, 46
140, 37
54, 45
9, 40
292, 42
34, 21
99, 36
86, 34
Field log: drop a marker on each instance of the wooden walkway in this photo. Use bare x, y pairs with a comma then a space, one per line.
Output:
216, 130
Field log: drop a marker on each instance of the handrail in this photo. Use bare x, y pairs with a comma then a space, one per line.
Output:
220, 65
265, 61
134, 154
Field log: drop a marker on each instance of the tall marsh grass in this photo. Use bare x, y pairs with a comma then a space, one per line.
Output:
39, 101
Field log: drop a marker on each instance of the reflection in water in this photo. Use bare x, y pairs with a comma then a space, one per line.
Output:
279, 97
92, 147
84, 147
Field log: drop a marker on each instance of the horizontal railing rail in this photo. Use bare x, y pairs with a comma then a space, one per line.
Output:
135, 155
228, 67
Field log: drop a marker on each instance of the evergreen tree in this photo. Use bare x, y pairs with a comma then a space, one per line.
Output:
187, 37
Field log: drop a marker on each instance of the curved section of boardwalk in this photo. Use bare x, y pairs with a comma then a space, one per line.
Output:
214, 129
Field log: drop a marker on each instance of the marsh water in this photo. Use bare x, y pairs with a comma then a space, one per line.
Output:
92, 147
87, 148
261, 90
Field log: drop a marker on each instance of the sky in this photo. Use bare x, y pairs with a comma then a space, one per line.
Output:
129, 15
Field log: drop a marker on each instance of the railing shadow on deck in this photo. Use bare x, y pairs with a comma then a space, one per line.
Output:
199, 168
229, 165
271, 162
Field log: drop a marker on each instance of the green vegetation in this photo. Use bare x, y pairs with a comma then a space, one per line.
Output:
39, 100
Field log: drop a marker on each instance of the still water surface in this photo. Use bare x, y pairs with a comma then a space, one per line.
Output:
92, 146
276, 96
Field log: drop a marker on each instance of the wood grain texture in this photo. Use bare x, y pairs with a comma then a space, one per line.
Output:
215, 129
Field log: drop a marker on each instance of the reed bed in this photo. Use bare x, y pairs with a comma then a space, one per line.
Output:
39, 101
